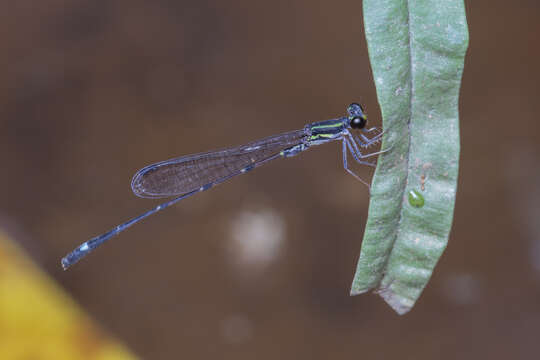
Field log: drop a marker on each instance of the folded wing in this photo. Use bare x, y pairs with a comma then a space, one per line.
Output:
188, 173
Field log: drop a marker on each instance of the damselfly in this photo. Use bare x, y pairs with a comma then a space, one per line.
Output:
187, 175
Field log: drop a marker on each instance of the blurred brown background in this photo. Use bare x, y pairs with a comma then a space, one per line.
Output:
261, 266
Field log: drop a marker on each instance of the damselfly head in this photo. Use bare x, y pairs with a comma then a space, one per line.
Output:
357, 117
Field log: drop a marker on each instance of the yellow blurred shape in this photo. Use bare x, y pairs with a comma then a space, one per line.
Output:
39, 321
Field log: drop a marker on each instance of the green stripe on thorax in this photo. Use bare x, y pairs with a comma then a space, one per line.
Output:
326, 126
315, 137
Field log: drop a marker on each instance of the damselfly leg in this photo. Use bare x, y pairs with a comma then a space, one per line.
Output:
352, 144
346, 165
366, 142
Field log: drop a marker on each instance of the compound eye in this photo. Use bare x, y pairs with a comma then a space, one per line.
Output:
355, 109
358, 122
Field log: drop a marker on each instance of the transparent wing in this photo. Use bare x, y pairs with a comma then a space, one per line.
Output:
191, 172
